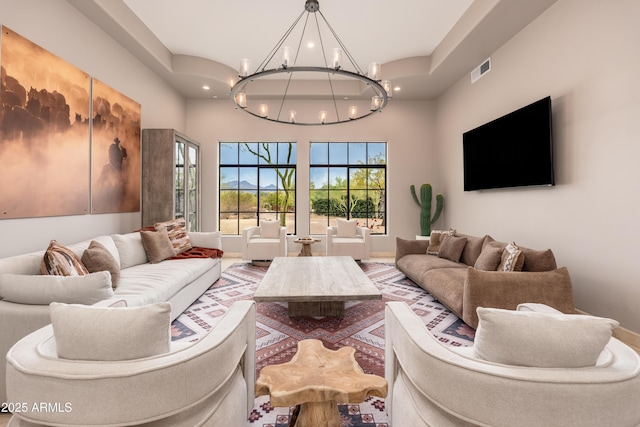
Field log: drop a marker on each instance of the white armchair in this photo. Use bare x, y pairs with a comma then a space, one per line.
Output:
431, 384
206, 383
349, 239
264, 242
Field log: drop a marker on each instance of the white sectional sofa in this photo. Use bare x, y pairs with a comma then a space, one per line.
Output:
179, 282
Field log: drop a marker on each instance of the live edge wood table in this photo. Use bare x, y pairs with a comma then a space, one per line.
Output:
315, 286
317, 379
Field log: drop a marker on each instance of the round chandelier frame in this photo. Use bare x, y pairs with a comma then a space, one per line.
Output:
380, 89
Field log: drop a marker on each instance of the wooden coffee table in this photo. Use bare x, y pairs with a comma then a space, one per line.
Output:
317, 379
315, 286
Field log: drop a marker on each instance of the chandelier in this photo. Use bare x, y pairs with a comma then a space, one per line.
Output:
371, 92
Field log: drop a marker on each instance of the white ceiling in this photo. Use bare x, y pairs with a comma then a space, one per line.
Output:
226, 31
424, 46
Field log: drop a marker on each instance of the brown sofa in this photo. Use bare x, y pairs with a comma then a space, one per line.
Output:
462, 288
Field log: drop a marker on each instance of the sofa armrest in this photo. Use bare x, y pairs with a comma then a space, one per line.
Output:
406, 247
506, 290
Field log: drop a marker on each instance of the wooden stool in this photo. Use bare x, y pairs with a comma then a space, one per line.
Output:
317, 379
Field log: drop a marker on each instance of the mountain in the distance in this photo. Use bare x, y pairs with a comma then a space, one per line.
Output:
245, 185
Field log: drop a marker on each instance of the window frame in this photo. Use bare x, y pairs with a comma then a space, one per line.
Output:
257, 169
378, 218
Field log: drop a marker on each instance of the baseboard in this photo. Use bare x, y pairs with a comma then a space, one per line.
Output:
630, 338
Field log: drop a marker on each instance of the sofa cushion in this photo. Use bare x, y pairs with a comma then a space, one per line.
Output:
130, 249
546, 340
447, 286
157, 245
346, 228
178, 235
62, 261
512, 258
535, 260
451, 248
45, 289
472, 249
108, 334
149, 283
98, 258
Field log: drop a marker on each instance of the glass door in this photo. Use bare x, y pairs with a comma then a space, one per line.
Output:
187, 179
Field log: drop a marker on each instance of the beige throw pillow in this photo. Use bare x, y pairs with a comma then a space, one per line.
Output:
346, 227
489, 258
108, 333
62, 261
157, 245
98, 258
178, 235
512, 258
435, 240
546, 340
451, 248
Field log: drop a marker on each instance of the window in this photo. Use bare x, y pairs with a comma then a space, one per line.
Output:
257, 181
348, 180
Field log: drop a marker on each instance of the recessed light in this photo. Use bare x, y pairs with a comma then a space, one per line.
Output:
310, 45
397, 88
205, 87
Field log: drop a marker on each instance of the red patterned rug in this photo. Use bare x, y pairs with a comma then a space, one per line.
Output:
362, 327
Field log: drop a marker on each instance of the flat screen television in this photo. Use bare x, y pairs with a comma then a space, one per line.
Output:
515, 150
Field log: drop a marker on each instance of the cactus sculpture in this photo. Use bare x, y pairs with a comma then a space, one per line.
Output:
425, 204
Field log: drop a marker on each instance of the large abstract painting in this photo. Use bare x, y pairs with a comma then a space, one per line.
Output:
115, 151
44, 132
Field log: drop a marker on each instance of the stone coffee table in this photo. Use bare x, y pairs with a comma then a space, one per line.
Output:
317, 379
315, 286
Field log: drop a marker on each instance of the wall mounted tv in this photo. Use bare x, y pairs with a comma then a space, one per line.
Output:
515, 150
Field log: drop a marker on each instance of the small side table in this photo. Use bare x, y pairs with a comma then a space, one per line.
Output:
317, 379
306, 245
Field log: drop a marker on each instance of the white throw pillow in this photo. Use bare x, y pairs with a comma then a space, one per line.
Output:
108, 333
206, 239
130, 249
346, 227
546, 340
45, 289
270, 229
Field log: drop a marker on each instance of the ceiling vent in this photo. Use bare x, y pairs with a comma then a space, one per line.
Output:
481, 70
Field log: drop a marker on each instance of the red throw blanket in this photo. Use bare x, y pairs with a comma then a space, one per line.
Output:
198, 252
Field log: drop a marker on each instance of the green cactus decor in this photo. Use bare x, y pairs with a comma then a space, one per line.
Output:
425, 203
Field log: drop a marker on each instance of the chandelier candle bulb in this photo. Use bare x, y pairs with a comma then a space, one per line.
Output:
241, 100
292, 116
376, 102
286, 56
353, 112
386, 84
264, 110
337, 58
374, 71
323, 117
244, 67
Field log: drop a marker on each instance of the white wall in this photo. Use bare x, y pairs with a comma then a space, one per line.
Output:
408, 128
59, 28
584, 54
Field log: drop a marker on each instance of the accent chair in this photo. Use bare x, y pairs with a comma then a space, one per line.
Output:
347, 238
264, 242
527, 379
79, 376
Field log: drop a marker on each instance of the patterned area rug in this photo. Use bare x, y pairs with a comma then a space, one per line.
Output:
362, 327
